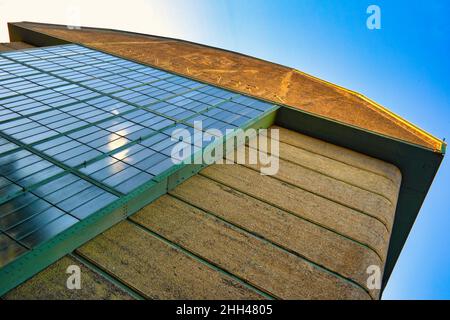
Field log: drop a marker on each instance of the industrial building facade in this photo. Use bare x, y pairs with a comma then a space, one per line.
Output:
352, 175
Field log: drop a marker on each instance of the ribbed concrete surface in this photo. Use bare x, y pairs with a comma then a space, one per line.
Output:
321, 211
293, 234
258, 262
157, 270
309, 232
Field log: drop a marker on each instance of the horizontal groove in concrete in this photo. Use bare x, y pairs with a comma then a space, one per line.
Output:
261, 264
329, 214
319, 245
157, 270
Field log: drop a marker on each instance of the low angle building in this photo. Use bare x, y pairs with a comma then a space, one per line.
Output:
87, 177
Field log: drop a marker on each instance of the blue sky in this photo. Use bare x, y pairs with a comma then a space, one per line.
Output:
403, 66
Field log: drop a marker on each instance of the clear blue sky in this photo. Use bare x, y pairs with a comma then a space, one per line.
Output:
405, 66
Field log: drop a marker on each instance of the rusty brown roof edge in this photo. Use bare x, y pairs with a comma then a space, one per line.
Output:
386, 112
439, 145
155, 36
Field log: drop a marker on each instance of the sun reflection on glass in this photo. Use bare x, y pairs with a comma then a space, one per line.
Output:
115, 141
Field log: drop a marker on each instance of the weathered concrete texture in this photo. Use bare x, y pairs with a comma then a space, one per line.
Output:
50, 284
324, 212
280, 273
335, 190
347, 156
323, 182
316, 244
246, 74
341, 171
157, 270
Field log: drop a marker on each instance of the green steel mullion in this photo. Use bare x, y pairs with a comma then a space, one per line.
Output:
57, 162
21, 94
133, 104
119, 149
109, 95
111, 118
34, 186
31, 188
3, 154
20, 240
102, 94
46, 253
103, 155
122, 100
94, 90
89, 125
263, 121
257, 122
169, 79
138, 141
62, 165
10, 196
41, 112
95, 78
253, 122
238, 93
132, 143
31, 145
150, 104
17, 242
37, 185
75, 168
